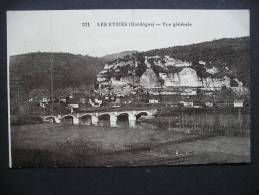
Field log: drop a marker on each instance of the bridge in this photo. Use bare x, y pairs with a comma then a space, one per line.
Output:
93, 118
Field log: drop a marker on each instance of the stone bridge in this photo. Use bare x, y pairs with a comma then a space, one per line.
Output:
95, 117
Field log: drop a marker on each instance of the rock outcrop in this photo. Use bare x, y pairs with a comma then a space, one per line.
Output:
173, 73
149, 79
187, 77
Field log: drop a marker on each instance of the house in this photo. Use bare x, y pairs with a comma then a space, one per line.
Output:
42, 105
238, 103
72, 101
82, 100
209, 104
187, 103
117, 103
62, 100
197, 103
44, 100
39, 99
208, 101
73, 105
153, 99
224, 98
95, 102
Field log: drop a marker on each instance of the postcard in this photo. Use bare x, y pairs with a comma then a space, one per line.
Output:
133, 87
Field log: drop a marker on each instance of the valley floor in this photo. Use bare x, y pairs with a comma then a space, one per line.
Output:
63, 145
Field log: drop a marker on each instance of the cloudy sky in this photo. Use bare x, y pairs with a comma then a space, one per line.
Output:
62, 31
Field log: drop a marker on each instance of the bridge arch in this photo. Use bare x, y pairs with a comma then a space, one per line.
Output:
52, 119
123, 119
104, 119
69, 118
143, 113
85, 115
86, 119
123, 114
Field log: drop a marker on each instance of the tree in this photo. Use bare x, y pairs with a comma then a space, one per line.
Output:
85, 89
39, 92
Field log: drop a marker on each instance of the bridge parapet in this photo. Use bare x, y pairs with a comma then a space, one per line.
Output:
132, 116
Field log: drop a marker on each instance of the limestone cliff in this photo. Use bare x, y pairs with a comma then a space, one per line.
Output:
210, 65
173, 72
149, 79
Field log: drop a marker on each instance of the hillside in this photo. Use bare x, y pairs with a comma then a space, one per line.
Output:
111, 57
33, 70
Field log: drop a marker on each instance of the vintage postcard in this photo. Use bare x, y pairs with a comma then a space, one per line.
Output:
104, 88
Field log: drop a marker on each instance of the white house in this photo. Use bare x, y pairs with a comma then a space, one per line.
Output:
73, 105
209, 104
238, 103
187, 104
153, 101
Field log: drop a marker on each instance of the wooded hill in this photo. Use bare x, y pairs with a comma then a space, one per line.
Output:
111, 57
33, 69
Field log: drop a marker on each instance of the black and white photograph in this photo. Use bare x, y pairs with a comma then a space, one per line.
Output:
128, 87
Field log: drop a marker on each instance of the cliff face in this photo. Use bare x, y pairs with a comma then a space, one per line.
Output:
211, 83
225, 55
188, 77
211, 65
173, 73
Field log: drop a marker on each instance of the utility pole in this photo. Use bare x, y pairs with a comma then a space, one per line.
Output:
51, 83
18, 94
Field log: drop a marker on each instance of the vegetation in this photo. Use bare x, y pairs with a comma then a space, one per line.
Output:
115, 56
33, 70
45, 145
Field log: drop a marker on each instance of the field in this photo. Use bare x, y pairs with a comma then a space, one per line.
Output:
64, 145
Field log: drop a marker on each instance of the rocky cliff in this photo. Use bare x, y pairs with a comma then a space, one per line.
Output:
213, 64
169, 71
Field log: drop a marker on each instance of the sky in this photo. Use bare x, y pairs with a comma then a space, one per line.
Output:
62, 30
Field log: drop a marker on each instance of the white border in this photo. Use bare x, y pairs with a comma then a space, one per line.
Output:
8, 102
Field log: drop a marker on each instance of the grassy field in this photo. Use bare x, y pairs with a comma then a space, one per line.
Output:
60, 145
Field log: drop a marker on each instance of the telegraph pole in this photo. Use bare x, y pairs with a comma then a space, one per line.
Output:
51, 82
